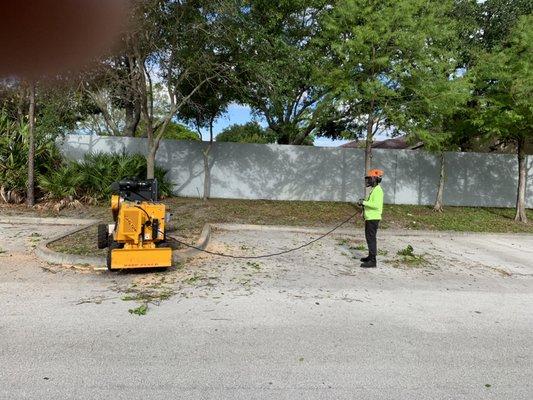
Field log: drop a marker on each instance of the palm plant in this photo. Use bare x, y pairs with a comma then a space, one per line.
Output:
62, 183
14, 157
99, 170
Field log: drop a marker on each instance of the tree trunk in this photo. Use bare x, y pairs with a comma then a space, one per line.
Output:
439, 205
30, 197
368, 154
132, 104
150, 165
152, 150
521, 192
283, 137
207, 171
368, 149
101, 103
133, 116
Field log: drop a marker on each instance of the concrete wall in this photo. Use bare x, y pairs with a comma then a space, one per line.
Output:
256, 171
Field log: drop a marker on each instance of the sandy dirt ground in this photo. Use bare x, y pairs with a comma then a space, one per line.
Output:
455, 324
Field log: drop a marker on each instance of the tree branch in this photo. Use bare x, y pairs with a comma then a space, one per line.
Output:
102, 106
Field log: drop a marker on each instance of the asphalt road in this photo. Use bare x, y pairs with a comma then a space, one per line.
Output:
308, 325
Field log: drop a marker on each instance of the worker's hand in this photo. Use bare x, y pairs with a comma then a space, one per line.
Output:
360, 202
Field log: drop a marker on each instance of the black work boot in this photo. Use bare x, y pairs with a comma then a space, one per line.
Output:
370, 263
365, 259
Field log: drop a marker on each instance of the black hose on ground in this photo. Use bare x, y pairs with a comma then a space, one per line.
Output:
264, 255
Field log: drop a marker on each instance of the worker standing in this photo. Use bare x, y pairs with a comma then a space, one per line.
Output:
372, 210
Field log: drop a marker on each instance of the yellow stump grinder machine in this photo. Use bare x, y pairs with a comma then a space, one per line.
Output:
137, 238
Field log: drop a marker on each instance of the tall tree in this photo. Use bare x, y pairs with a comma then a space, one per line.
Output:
486, 29
163, 53
177, 54
26, 153
371, 48
436, 97
212, 99
112, 89
434, 92
276, 61
203, 109
505, 78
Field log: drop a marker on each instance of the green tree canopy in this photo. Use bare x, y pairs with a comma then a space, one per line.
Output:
276, 60
373, 51
251, 132
177, 131
505, 76
505, 109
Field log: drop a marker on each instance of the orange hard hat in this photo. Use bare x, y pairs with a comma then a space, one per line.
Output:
375, 173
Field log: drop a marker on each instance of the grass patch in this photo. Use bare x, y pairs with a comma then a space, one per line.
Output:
189, 216
343, 242
82, 243
407, 252
461, 219
347, 243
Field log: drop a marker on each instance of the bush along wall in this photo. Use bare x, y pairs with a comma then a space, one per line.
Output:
14, 148
89, 180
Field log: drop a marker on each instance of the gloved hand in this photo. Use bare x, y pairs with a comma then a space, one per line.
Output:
360, 202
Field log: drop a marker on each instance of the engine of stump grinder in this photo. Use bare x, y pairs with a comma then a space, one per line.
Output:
137, 238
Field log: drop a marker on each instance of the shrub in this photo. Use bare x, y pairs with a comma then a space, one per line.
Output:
100, 170
14, 148
90, 179
57, 179
61, 183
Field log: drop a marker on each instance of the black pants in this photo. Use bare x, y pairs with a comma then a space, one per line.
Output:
371, 230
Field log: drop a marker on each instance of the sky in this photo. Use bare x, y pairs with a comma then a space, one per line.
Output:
239, 114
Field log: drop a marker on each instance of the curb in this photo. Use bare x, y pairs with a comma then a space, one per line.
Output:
54, 257
45, 221
46, 254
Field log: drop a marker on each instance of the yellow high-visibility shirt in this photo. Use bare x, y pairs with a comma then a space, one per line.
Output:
374, 204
